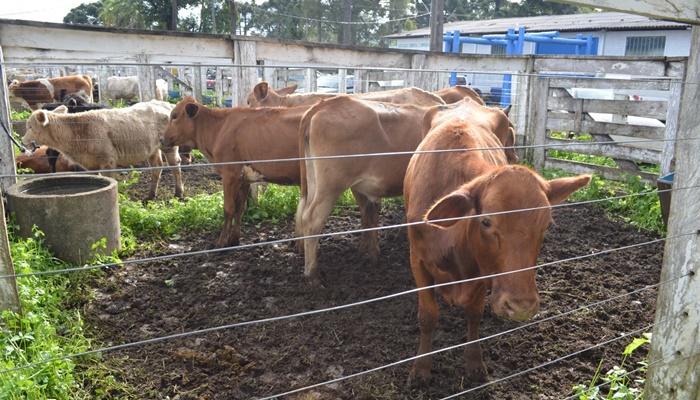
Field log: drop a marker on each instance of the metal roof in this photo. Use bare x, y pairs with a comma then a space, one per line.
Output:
574, 22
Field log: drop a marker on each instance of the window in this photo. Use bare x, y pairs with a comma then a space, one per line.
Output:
498, 50
645, 46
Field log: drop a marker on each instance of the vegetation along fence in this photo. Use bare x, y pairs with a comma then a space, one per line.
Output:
560, 104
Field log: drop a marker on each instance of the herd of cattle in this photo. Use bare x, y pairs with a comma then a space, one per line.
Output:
472, 212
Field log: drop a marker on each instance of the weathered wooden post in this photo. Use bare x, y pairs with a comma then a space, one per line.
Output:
674, 370
9, 298
674, 359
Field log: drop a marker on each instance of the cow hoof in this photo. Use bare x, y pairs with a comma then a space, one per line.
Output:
478, 374
229, 243
419, 378
315, 282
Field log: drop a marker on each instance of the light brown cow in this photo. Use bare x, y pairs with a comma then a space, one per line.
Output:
478, 184
109, 138
42, 91
263, 96
456, 93
346, 125
42, 161
239, 134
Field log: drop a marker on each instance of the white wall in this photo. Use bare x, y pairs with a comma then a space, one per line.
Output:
677, 42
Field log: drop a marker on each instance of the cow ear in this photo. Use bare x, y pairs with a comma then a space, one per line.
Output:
62, 109
456, 204
260, 90
506, 110
560, 189
191, 110
42, 117
287, 90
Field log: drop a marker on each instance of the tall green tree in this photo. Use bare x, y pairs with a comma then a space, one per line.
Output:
86, 13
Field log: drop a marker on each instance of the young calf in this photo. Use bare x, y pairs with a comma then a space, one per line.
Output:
109, 138
347, 125
239, 134
508, 212
263, 96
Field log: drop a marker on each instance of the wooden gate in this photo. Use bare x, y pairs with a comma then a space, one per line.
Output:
631, 121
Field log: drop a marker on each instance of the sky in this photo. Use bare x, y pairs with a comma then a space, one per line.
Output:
38, 10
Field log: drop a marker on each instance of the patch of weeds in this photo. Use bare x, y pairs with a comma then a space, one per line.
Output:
640, 205
49, 327
616, 383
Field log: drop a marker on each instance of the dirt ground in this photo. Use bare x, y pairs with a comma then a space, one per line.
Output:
203, 292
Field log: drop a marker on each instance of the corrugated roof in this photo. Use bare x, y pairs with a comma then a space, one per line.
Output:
573, 22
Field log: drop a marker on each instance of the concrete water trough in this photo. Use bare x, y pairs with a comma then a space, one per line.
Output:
73, 211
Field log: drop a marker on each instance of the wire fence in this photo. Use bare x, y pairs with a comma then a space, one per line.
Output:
361, 303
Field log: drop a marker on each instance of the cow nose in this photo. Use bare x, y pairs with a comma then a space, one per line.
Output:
521, 308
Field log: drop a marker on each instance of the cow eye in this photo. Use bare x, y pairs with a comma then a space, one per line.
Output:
486, 222
173, 116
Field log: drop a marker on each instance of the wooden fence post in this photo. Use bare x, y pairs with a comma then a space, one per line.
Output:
674, 359
672, 115
9, 298
539, 126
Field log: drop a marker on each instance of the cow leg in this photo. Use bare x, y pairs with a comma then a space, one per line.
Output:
154, 160
173, 158
52, 156
369, 241
428, 313
298, 227
241, 201
231, 183
313, 220
474, 367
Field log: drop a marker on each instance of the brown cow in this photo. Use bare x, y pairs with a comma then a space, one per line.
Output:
478, 184
456, 93
263, 96
42, 91
239, 134
348, 125
43, 162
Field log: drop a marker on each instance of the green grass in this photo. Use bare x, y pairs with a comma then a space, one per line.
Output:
50, 326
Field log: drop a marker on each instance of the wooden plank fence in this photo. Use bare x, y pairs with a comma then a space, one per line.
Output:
645, 130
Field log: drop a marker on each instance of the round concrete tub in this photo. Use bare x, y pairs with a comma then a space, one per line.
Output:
73, 211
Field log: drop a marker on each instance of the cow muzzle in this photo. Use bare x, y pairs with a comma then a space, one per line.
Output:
514, 307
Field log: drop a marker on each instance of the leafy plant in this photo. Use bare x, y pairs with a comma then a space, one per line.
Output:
617, 380
50, 326
166, 218
20, 114
639, 204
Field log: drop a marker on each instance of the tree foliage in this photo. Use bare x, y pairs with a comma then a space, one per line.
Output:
86, 13
305, 20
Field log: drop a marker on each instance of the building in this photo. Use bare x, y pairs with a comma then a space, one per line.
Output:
612, 34
616, 34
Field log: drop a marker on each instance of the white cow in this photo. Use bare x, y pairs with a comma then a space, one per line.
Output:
123, 87
109, 138
161, 90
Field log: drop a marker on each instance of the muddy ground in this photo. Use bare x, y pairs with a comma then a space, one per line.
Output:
202, 292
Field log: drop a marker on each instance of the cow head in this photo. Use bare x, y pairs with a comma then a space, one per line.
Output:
262, 95
181, 128
258, 95
36, 131
510, 214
